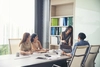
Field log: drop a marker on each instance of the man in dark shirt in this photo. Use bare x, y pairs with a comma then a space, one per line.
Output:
81, 42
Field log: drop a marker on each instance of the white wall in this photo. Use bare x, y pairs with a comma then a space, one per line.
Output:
87, 20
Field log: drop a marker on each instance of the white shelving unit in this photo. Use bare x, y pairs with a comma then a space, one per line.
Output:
61, 16
59, 9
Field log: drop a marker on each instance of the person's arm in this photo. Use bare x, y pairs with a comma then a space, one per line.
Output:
61, 39
72, 53
34, 48
67, 54
69, 43
40, 46
24, 52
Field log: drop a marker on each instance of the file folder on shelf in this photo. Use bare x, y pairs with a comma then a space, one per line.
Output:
65, 21
57, 30
70, 21
61, 21
54, 22
54, 40
53, 32
60, 30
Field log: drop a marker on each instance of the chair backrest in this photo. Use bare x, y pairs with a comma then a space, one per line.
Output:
77, 58
90, 60
14, 45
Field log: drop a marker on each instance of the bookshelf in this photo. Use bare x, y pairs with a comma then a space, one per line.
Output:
61, 17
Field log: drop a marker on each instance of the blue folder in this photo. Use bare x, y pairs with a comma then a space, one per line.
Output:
65, 21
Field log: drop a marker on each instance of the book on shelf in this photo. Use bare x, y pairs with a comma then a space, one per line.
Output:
53, 31
54, 22
56, 30
65, 21
61, 21
60, 30
70, 21
54, 40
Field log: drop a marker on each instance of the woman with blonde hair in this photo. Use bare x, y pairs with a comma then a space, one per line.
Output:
25, 45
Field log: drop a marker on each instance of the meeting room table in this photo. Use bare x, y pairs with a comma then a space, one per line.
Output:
34, 60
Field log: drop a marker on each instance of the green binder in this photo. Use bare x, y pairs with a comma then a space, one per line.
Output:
54, 22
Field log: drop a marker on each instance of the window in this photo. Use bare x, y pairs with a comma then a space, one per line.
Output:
16, 17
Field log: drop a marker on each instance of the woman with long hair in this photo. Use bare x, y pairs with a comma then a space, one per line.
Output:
37, 47
67, 39
25, 45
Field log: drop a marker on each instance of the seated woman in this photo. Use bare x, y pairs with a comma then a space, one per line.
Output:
25, 45
36, 44
67, 39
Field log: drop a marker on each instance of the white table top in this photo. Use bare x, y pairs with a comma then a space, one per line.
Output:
13, 61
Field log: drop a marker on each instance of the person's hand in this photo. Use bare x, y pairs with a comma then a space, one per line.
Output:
47, 49
68, 54
63, 53
29, 52
37, 40
63, 41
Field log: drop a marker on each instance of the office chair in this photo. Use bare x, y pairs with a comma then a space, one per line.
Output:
77, 58
54, 65
14, 45
90, 60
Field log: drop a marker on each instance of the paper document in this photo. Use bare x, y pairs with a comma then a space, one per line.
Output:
53, 57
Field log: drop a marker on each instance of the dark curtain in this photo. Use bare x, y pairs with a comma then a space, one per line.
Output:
39, 19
